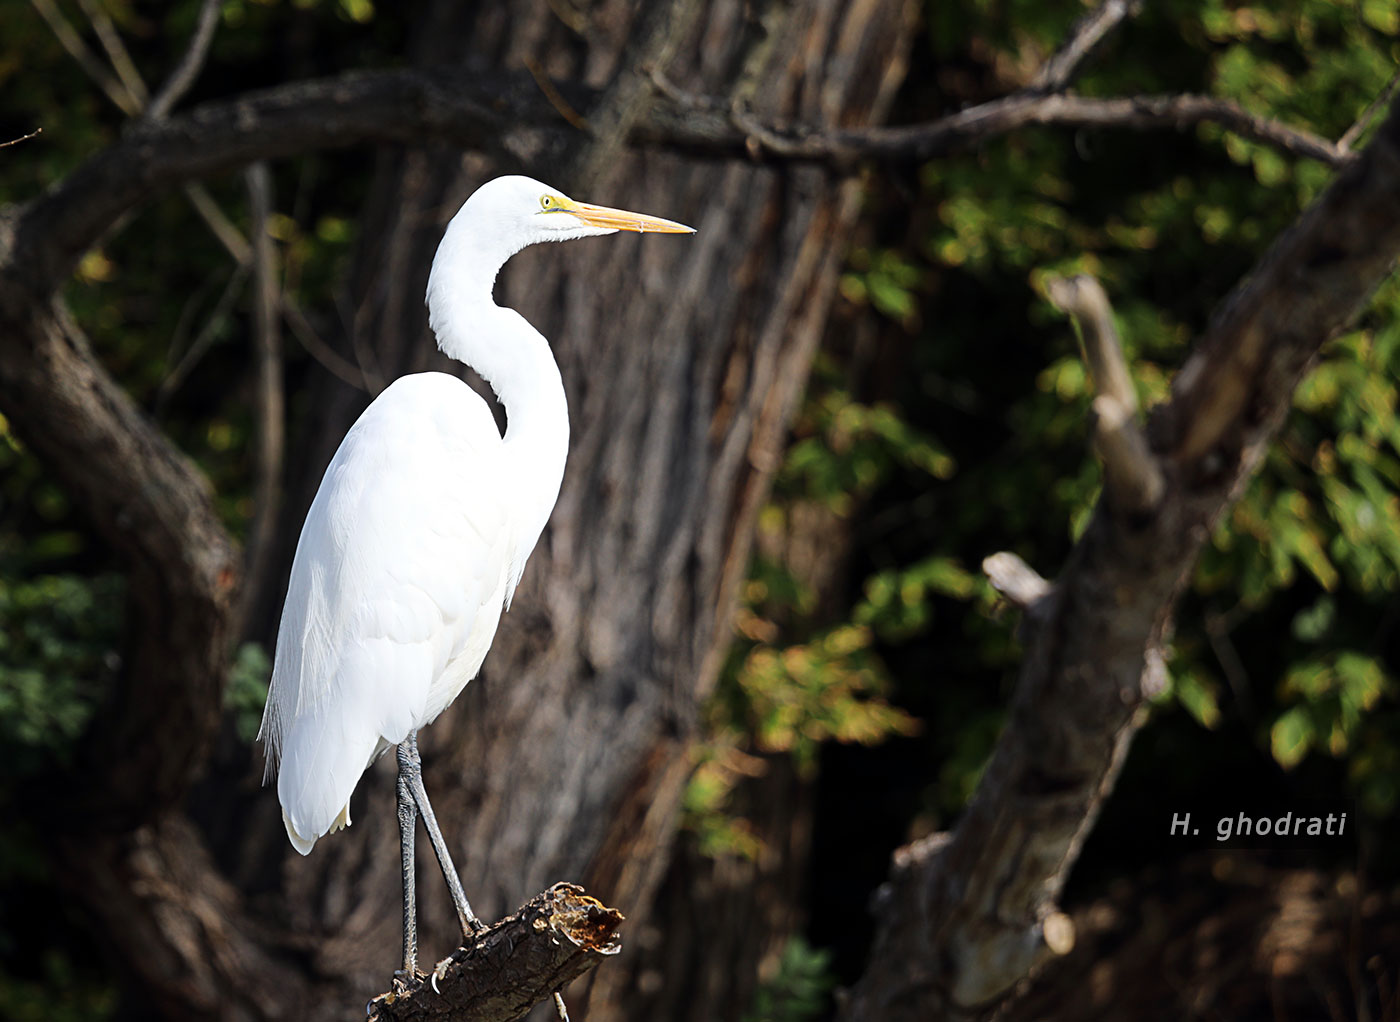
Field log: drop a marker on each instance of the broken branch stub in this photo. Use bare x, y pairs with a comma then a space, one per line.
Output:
522, 960
1131, 473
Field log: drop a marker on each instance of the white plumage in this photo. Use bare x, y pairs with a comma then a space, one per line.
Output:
401, 574
424, 519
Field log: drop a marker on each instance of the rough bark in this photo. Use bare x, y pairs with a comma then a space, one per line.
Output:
966, 917
514, 965
151, 504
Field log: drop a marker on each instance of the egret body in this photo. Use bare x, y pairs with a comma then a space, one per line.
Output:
419, 533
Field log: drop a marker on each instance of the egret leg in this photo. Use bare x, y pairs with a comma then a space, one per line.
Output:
471, 925
408, 824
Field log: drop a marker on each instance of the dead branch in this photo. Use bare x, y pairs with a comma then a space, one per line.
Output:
1015, 579
22, 138
190, 64
977, 910
524, 959
269, 403
699, 132
1131, 475
117, 53
1087, 34
69, 39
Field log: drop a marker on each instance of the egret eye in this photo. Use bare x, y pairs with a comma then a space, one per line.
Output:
546, 202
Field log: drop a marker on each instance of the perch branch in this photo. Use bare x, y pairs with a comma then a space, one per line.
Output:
522, 960
1131, 474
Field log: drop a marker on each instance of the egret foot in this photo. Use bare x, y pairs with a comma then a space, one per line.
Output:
406, 982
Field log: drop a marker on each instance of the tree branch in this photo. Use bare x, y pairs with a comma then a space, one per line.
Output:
116, 51
269, 405
1085, 37
1015, 579
1131, 475
977, 908
154, 507
405, 106
703, 131
69, 39
22, 138
190, 64
522, 960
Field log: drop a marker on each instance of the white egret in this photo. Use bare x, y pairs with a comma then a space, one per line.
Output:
419, 533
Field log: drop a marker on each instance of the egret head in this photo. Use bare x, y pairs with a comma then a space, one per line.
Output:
523, 211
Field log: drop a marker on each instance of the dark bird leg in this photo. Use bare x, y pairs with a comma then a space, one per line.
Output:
408, 823
471, 925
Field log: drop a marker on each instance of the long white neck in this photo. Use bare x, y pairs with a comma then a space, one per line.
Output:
514, 359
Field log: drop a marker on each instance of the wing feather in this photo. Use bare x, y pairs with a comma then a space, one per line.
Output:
400, 574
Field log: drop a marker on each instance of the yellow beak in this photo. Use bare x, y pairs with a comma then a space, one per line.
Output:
622, 220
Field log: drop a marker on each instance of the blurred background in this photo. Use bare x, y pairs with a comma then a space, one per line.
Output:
837, 438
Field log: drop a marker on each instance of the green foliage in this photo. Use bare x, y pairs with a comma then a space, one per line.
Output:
57, 649
58, 993
246, 693
799, 990
793, 682
1297, 581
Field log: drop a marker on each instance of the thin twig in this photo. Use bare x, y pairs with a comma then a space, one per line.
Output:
350, 321
319, 349
269, 417
116, 50
185, 321
1084, 38
1217, 628
190, 64
552, 94
129, 98
1381, 102
22, 138
223, 229
69, 39
204, 339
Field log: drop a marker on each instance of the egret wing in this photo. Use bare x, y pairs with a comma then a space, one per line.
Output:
401, 565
